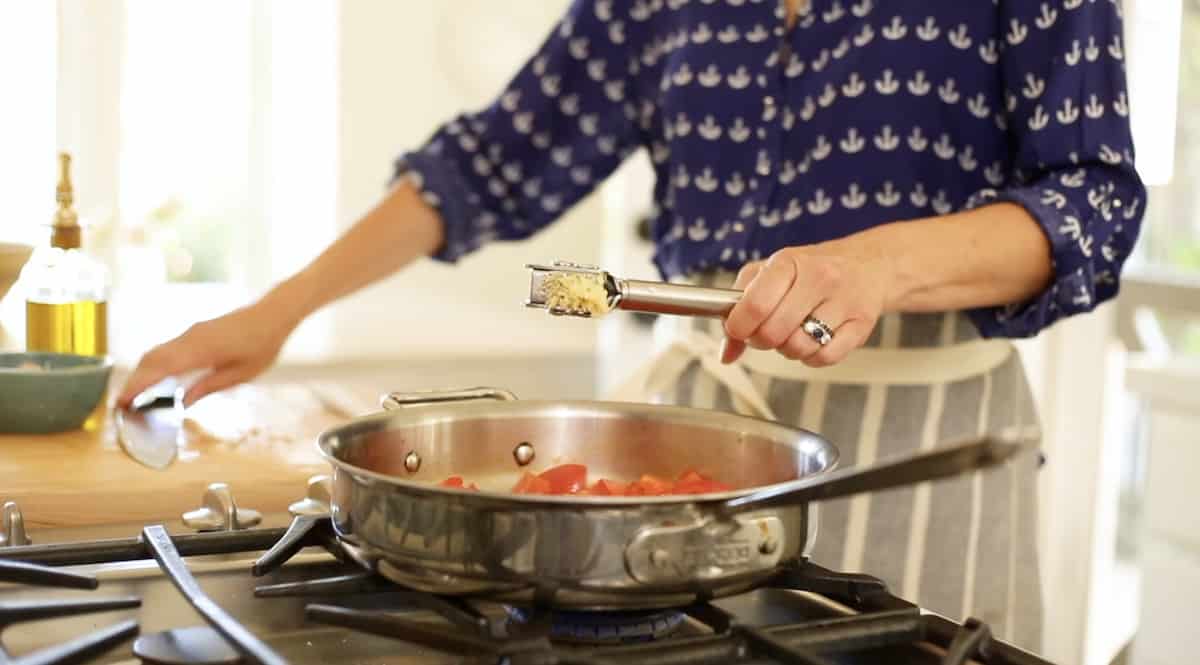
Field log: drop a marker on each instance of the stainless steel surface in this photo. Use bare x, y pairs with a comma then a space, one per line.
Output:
537, 286
316, 498
586, 551
495, 543
12, 526
396, 400
150, 433
220, 512
677, 299
636, 295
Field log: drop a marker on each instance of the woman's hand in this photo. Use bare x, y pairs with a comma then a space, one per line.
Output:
844, 290
233, 348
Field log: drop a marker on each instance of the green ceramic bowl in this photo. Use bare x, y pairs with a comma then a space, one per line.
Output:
42, 393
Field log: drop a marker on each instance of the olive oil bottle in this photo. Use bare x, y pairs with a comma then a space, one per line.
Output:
66, 291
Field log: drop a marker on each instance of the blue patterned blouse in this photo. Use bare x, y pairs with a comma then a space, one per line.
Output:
866, 112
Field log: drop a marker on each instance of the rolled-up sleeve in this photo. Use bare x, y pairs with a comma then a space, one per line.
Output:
563, 123
1073, 157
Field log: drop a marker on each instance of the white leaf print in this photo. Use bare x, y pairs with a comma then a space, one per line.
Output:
551, 85
1038, 120
1010, 101
795, 67
681, 178
918, 85
541, 140
793, 211
523, 122
1047, 17
739, 132
1073, 180
1069, 113
739, 79
709, 129
701, 34
1109, 156
1034, 87
640, 11
822, 149
887, 84
861, 9
917, 140
943, 148
1071, 227
821, 60
804, 165
1132, 210
1072, 57
853, 142
606, 144
698, 231
948, 93
705, 182
758, 34
1115, 50
552, 202
616, 32
959, 38
1072, 4
1051, 197
676, 5
828, 96
841, 49
1094, 109
710, 77
834, 13
682, 76
511, 172
510, 100
820, 203
763, 166
918, 197
578, 48
888, 196
886, 140
581, 175
789, 119
854, 198
928, 31
746, 212
561, 156
604, 10
539, 65
864, 36
769, 220
481, 165
682, 126
569, 104
659, 152
808, 110
994, 174
735, 185
854, 87
966, 160
615, 90
1092, 52
941, 205
989, 52
1016, 32
729, 35
1121, 106
978, 107
895, 30
1085, 246
788, 173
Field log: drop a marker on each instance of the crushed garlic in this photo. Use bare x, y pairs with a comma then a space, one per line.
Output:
576, 292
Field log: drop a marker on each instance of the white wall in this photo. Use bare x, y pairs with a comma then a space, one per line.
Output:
405, 67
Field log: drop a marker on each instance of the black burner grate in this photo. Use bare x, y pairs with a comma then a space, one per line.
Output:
80, 649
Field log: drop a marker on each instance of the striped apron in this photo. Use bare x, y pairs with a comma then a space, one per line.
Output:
959, 547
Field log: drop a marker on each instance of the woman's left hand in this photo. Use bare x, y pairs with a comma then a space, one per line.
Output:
842, 289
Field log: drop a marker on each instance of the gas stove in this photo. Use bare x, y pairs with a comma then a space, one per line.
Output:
274, 595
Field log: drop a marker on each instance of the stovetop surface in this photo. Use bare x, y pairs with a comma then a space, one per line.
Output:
281, 621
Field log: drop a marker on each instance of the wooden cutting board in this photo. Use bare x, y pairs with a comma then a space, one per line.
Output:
258, 439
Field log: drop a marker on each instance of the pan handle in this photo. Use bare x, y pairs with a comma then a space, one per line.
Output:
974, 454
400, 400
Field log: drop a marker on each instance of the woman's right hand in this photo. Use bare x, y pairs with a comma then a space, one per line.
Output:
233, 348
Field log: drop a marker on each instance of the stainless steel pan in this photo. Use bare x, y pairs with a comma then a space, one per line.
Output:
582, 552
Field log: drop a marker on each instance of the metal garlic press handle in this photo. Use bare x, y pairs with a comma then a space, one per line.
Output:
666, 298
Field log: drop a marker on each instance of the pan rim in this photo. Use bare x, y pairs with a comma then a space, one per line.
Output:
417, 414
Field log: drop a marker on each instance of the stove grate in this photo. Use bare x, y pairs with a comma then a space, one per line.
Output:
76, 650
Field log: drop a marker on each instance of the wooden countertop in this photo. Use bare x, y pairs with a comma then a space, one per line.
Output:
259, 439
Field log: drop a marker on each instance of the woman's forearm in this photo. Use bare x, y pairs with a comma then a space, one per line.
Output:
992, 255
397, 231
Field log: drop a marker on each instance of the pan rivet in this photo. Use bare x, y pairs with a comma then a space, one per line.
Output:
768, 546
660, 558
412, 461
523, 453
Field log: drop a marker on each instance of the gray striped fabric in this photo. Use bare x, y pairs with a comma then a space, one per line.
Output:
961, 547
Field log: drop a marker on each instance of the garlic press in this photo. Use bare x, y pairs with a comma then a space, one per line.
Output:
633, 295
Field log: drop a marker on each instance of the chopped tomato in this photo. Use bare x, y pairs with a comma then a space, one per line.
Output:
531, 484
453, 481
606, 487
566, 478
649, 485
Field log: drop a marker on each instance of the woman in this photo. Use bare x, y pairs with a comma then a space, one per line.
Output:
899, 186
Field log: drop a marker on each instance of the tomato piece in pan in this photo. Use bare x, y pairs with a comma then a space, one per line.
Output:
531, 484
606, 487
566, 478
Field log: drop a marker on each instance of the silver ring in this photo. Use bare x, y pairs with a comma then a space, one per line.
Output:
821, 333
